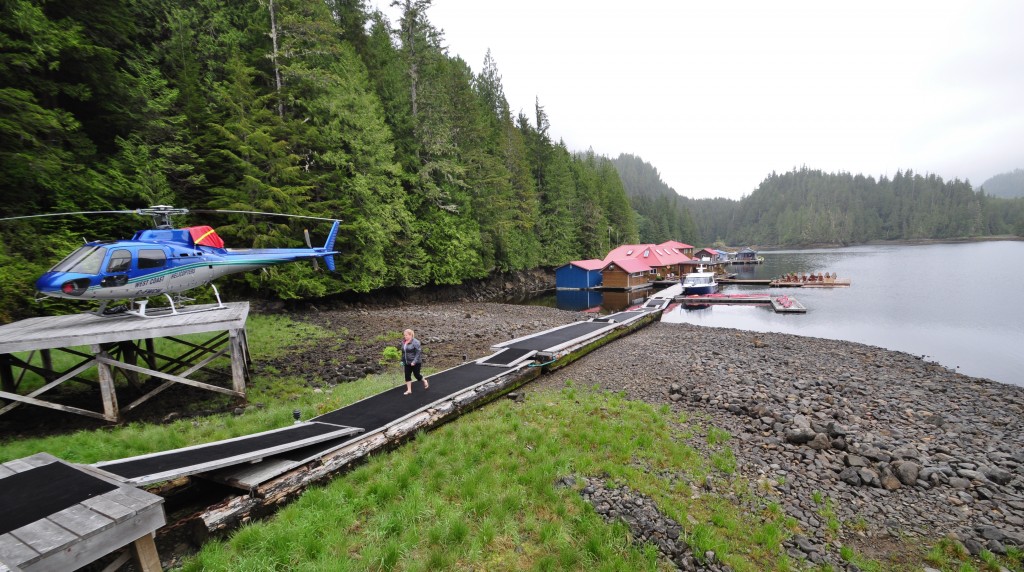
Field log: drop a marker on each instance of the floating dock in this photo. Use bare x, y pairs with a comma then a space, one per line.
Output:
826, 283
781, 304
745, 281
787, 305
724, 299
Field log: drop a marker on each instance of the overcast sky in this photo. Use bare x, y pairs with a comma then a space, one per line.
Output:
717, 95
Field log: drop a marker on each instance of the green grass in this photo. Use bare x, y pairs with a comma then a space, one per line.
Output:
479, 493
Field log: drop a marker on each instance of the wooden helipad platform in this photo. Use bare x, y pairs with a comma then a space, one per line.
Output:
58, 516
117, 344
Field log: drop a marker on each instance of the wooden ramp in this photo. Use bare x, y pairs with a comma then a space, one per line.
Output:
390, 411
376, 414
167, 465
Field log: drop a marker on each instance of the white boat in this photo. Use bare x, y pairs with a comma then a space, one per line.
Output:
699, 282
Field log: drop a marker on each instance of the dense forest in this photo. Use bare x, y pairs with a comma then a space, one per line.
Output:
331, 109
311, 108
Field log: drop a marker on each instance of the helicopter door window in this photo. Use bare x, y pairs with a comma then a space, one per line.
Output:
152, 259
120, 261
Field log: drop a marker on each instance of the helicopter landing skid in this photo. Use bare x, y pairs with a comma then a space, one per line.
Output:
141, 311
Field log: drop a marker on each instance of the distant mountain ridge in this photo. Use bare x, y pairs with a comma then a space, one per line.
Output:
1005, 185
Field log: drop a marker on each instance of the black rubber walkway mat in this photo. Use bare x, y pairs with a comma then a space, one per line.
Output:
507, 356
560, 336
186, 458
377, 411
620, 317
37, 493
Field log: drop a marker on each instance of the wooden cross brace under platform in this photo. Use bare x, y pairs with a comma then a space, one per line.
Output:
119, 345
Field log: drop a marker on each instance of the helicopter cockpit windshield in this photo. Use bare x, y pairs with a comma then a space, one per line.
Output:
85, 260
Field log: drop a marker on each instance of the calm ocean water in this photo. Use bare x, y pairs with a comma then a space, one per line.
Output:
961, 305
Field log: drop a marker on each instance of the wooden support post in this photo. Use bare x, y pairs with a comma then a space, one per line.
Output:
130, 356
47, 359
144, 554
150, 353
6, 374
106, 377
237, 362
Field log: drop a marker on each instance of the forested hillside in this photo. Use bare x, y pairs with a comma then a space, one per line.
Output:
806, 206
313, 108
662, 214
1005, 185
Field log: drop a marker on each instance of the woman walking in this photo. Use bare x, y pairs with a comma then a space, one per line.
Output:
412, 359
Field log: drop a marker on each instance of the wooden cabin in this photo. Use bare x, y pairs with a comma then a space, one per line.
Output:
666, 261
627, 274
711, 255
579, 274
748, 256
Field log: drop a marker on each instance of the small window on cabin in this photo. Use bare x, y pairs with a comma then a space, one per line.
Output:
647, 253
629, 252
152, 258
120, 261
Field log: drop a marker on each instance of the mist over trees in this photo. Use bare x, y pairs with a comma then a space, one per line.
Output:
1005, 185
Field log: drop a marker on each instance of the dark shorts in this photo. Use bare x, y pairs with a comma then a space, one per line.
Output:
411, 370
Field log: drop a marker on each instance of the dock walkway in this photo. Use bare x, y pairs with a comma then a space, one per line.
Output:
274, 465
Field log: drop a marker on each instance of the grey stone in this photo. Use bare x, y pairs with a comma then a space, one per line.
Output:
907, 472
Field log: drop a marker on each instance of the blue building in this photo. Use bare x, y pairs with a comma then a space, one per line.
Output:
579, 274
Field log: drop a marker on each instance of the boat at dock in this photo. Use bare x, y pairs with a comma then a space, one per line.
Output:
699, 282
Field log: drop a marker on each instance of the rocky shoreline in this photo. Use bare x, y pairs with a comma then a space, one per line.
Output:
900, 447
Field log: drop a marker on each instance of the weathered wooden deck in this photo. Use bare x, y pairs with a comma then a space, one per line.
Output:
56, 516
119, 343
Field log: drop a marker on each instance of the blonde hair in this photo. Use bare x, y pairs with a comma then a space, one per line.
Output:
410, 332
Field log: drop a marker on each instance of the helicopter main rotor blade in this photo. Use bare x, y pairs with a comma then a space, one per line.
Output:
69, 214
262, 213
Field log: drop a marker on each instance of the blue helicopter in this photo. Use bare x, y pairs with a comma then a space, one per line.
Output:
164, 261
